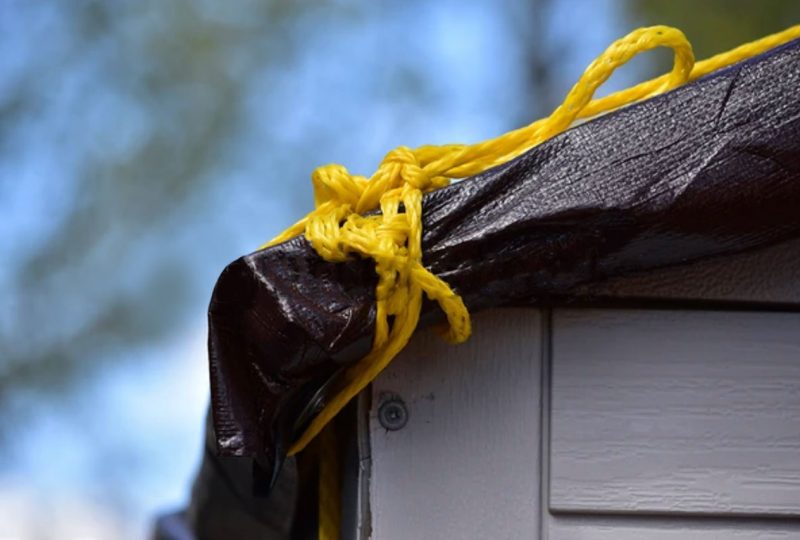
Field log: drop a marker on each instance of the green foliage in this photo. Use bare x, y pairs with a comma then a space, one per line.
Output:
714, 26
141, 99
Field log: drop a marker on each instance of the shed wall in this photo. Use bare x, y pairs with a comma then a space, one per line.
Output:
594, 424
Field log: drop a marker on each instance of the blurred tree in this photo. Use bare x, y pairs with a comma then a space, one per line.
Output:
133, 104
124, 120
531, 23
714, 26
121, 126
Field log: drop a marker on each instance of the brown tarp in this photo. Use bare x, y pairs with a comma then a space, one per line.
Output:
709, 169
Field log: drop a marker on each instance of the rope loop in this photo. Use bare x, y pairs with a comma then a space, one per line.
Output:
333, 183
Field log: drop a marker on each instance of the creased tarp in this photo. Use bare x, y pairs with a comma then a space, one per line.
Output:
709, 169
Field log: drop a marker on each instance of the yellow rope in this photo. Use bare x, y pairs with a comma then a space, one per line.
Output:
337, 229
330, 482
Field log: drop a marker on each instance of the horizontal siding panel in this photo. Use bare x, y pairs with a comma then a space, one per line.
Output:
675, 412
669, 528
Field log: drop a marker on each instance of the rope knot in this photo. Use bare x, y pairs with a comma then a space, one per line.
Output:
407, 168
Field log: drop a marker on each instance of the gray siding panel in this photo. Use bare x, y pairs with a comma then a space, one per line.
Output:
467, 463
675, 412
668, 528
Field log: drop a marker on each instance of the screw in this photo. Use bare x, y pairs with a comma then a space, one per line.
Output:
392, 414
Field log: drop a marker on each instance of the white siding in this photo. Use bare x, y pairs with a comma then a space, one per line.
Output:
655, 425
467, 463
676, 411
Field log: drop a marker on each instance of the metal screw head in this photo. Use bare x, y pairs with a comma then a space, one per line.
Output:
393, 414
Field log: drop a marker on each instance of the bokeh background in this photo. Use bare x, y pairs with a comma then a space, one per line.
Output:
146, 143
